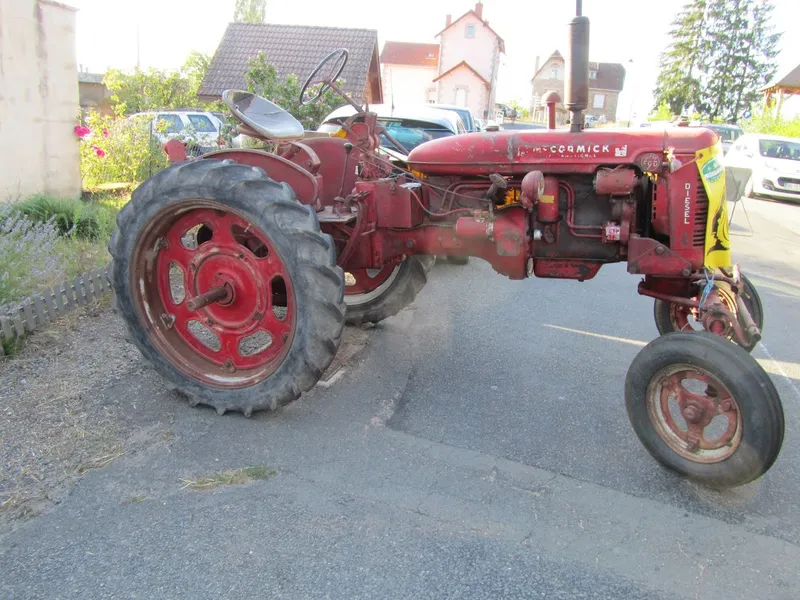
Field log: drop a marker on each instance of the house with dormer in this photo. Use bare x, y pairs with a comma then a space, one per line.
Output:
605, 84
467, 59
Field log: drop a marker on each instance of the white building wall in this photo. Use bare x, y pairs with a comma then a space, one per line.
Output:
477, 51
38, 100
407, 84
463, 78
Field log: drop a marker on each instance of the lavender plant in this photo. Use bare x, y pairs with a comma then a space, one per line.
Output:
29, 257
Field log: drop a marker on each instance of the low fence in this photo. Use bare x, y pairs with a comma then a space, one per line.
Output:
40, 309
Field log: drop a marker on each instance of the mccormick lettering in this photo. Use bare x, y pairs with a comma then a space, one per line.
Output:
687, 204
579, 149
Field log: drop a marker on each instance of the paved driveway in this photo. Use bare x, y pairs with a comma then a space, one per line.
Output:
476, 447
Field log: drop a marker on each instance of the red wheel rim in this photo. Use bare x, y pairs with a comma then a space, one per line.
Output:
361, 285
694, 413
202, 247
685, 318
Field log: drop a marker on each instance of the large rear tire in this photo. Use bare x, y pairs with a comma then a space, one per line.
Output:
212, 225
705, 408
397, 289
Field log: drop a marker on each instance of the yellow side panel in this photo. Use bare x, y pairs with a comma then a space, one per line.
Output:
712, 173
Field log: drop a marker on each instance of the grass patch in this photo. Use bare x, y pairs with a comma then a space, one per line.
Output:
232, 477
134, 500
72, 218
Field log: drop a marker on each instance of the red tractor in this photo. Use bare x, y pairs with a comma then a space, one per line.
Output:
236, 272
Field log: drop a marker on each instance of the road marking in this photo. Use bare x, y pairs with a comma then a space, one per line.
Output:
779, 371
599, 335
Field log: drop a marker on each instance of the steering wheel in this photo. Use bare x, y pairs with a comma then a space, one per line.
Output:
338, 59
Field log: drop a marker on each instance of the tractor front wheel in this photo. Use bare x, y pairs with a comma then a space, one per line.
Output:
372, 295
671, 317
705, 408
227, 285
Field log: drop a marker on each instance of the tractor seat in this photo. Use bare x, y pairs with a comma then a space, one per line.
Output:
262, 116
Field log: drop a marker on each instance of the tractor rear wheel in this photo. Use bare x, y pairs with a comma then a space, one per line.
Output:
227, 285
374, 295
705, 408
671, 317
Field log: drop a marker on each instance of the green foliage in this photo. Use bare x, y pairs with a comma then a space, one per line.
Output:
89, 221
250, 11
195, 69
152, 89
722, 52
743, 51
767, 123
662, 113
119, 151
149, 90
262, 78
44, 241
678, 82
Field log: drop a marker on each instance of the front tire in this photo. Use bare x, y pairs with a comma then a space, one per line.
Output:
681, 389
397, 289
211, 225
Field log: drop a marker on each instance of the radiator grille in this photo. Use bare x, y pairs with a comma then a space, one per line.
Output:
700, 215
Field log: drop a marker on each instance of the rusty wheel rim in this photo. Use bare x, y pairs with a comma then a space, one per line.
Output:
685, 318
364, 285
215, 294
694, 413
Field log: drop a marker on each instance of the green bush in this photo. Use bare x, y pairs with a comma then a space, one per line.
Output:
88, 221
118, 151
767, 123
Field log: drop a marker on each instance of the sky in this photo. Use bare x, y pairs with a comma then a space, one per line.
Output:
631, 32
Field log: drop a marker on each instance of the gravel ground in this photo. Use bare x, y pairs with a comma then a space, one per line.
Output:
67, 407
57, 419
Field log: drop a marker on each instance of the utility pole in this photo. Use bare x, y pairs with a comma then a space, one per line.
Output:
138, 61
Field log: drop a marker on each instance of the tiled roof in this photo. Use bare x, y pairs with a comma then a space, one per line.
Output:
410, 53
466, 65
291, 49
610, 76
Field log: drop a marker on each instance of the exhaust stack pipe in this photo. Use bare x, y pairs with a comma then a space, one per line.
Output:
577, 84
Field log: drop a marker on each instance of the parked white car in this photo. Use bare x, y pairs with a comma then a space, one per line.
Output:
774, 162
200, 130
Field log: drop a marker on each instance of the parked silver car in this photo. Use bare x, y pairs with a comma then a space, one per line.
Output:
409, 125
774, 162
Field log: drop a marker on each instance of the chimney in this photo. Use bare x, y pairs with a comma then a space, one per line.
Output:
479, 10
536, 69
448, 20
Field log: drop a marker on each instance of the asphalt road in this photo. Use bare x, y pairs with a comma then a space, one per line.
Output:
477, 447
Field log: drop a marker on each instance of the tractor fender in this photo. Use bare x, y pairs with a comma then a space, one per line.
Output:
305, 185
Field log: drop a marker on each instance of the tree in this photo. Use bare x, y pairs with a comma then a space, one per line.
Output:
262, 79
195, 68
250, 11
722, 53
149, 90
743, 58
662, 113
678, 83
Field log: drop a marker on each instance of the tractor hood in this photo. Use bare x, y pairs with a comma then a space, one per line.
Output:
513, 152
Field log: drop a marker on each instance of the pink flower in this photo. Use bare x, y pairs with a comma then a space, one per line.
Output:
81, 131
105, 132
99, 151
